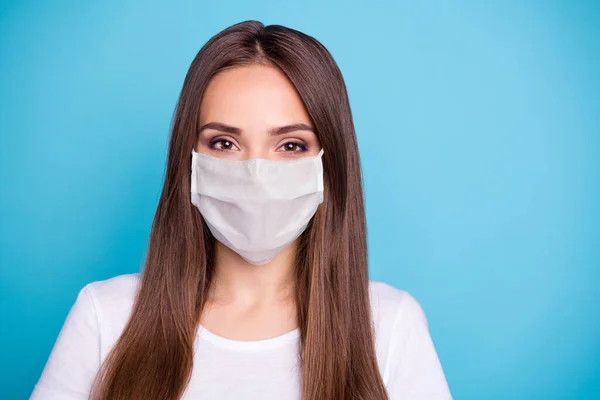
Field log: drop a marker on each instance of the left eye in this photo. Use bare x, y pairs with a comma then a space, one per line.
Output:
293, 147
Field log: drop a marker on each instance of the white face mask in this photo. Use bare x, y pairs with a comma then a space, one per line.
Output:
257, 207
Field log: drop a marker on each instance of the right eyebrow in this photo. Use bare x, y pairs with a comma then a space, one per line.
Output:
220, 127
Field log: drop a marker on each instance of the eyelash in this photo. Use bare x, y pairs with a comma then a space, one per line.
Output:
215, 141
300, 145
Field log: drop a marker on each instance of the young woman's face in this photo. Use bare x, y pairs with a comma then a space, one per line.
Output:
254, 112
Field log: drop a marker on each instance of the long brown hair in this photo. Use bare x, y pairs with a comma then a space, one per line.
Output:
153, 358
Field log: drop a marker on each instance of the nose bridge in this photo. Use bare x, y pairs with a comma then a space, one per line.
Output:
254, 156
251, 167
257, 152
254, 163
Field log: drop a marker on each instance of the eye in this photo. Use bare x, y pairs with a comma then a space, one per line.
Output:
293, 147
223, 145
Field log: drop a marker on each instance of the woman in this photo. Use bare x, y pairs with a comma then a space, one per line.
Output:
255, 284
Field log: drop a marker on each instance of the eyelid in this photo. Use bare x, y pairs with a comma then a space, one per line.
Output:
223, 138
217, 139
300, 143
293, 140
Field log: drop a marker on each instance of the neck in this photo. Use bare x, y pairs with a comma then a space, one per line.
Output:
235, 280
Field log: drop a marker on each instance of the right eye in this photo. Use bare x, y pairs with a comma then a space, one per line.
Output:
223, 145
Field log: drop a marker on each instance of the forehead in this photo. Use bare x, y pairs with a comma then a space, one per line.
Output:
252, 96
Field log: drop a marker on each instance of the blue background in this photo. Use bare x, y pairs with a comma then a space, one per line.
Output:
479, 131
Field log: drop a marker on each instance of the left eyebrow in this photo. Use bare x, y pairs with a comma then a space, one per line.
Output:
273, 131
291, 128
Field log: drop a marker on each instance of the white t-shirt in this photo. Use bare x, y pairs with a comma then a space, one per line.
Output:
232, 369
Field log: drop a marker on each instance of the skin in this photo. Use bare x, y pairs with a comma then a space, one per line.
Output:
250, 302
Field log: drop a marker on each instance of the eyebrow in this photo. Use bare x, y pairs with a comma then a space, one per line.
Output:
273, 131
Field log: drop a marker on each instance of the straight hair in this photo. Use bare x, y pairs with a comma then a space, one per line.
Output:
153, 357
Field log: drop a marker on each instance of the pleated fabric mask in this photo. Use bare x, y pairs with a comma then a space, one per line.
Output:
256, 207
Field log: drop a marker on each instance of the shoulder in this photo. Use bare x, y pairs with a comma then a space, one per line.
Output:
118, 288
93, 324
405, 350
112, 300
397, 316
390, 304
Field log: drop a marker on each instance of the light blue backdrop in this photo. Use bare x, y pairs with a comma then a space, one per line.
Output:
479, 130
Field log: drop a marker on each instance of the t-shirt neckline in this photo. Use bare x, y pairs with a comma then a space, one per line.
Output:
262, 344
